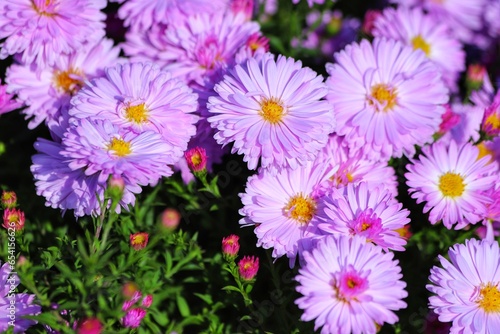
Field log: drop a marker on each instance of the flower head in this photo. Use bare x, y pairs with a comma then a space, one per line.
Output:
139, 240
133, 317
147, 301
281, 123
43, 30
170, 218
248, 267
13, 219
9, 199
230, 246
451, 179
19, 304
196, 159
466, 287
349, 286
382, 106
90, 326
491, 120
475, 76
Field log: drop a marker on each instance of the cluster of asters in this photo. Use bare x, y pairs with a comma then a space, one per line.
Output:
198, 74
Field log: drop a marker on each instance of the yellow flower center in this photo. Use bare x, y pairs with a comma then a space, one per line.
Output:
301, 208
13, 218
41, 10
66, 83
139, 239
419, 43
385, 96
489, 298
271, 110
493, 120
120, 147
484, 151
451, 184
137, 114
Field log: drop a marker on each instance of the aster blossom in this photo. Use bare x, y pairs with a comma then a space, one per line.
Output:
42, 30
386, 96
282, 206
272, 111
143, 97
48, 90
450, 180
23, 303
349, 286
424, 32
465, 287
371, 213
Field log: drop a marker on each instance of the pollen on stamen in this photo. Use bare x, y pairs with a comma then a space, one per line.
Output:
489, 298
136, 113
301, 208
451, 184
419, 42
383, 97
271, 110
66, 82
120, 147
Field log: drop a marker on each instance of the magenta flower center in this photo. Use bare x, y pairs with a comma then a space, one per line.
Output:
137, 113
383, 97
349, 285
120, 147
209, 53
271, 110
366, 224
301, 208
489, 298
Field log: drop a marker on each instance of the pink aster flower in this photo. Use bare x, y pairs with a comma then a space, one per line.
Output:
49, 89
386, 97
450, 180
466, 287
17, 304
102, 148
464, 17
230, 246
13, 219
371, 213
282, 206
196, 159
426, 33
491, 120
355, 168
133, 317
139, 240
8, 199
7, 102
349, 286
248, 267
145, 98
273, 112
90, 326
43, 30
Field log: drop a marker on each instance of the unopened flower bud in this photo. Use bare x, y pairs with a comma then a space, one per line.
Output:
89, 326
13, 219
170, 218
9, 199
196, 159
230, 246
248, 267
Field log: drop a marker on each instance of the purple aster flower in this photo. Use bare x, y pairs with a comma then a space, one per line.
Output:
13, 306
464, 17
371, 213
355, 168
465, 287
450, 180
467, 121
281, 207
7, 102
143, 97
100, 147
50, 88
386, 97
272, 111
491, 121
310, 2
133, 317
43, 30
350, 286
424, 32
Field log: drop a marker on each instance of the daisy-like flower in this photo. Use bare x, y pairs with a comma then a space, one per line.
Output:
17, 304
133, 317
282, 206
371, 213
49, 89
387, 97
143, 97
272, 111
450, 180
43, 30
424, 32
464, 17
248, 267
356, 168
466, 287
350, 286
99, 147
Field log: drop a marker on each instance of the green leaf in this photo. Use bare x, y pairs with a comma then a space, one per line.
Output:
183, 306
206, 298
231, 288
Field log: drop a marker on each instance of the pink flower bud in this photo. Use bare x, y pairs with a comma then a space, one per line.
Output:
9, 199
147, 301
196, 159
475, 75
133, 317
369, 21
13, 218
139, 240
116, 184
170, 218
248, 267
89, 326
230, 246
